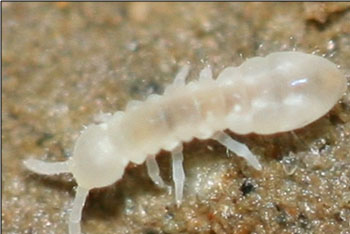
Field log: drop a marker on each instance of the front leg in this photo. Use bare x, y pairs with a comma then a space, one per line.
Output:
178, 173
153, 171
237, 148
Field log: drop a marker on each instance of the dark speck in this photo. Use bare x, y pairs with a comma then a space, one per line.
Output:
246, 187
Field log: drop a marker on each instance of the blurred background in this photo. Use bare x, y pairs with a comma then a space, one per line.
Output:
63, 63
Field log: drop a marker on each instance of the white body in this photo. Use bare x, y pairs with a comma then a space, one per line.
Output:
280, 92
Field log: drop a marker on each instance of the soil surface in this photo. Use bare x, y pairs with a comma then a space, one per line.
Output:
64, 63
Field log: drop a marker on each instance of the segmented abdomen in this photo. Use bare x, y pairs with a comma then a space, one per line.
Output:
162, 122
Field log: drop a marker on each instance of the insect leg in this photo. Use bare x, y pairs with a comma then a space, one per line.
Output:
181, 76
75, 215
46, 168
153, 171
237, 148
178, 173
206, 74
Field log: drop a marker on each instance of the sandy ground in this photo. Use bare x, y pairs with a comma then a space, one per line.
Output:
63, 63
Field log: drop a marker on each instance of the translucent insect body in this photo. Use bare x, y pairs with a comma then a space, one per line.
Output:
280, 92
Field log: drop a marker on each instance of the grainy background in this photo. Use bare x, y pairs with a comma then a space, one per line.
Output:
65, 62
